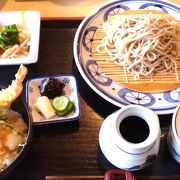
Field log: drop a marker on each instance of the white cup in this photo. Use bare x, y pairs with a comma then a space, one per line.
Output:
130, 137
173, 138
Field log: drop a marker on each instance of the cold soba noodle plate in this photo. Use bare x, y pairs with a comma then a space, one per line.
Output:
144, 49
133, 88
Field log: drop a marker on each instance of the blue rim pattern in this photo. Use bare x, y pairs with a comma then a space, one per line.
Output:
108, 145
66, 78
162, 103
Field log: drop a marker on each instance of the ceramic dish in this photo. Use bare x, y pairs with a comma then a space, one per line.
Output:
161, 103
30, 21
129, 151
19, 106
173, 137
70, 90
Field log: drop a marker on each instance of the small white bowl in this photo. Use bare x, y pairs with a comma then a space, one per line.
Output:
126, 148
173, 137
70, 90
30, 21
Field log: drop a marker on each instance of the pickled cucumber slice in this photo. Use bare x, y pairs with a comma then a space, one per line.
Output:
68, 110
60, 103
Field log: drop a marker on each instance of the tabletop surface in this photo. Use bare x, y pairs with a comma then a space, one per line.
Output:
72, 148
57, 9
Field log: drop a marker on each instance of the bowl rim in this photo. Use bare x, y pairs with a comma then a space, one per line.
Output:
147, 115
173, 125
27, 143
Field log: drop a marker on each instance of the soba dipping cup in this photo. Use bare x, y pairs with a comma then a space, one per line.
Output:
173, 138
130, 137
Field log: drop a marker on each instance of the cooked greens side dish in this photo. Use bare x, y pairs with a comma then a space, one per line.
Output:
14, 43
9, 36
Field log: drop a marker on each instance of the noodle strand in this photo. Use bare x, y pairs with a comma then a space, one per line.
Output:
142, 44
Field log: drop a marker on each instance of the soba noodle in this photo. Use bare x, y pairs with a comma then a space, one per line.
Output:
142, 44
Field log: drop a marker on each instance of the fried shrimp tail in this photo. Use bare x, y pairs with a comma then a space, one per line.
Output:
8, 95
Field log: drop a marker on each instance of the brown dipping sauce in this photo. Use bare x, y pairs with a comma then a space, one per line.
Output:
134, 129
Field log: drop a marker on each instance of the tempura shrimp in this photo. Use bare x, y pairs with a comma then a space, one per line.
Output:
8, 95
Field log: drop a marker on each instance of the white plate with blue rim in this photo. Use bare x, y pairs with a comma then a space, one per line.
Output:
161, 103
70, 90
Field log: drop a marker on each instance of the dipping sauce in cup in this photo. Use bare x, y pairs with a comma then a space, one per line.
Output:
138, 129
130, 137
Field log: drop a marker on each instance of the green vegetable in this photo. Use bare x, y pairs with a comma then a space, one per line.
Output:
9, 36
69, 109
60, 103
70, 106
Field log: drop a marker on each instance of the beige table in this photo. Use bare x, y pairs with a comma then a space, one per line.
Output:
56, 9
